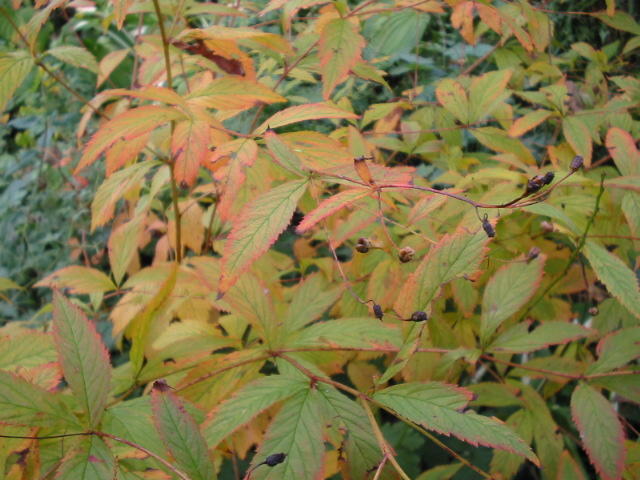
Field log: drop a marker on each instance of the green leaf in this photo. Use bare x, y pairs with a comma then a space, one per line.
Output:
623, 149
616, 350
78, 279
8, 284
600, 431
453, 256
436, 406
487, 92
258, 226
22, 403
84, 359
626, 386
180, 434
617, 277
247, 299
311, 299
90, 461
506, 464
577, 134
500, 141
362, 450
508, 290
453, 98
123, 245
349, 333
282, 154
339, 50
518, 339
297, 431
14, 68
30, 349
247, 403
75, 56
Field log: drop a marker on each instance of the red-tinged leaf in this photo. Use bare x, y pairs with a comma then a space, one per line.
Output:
348, 333
89, 461
518, 339
78, 280
180, 434
528, 122
83, 356
340, 49
452, 96
109, 63
360, 165
508, 290
247, 403
22, 403
259, 225
600, 431
331, 205
240, 35
155, 94
302, 113
120, 10
616, 350
233, 93
454, 255
487, 92
282, 154
577, 134
569, 469
123, 152
437, 406
190, 147
126, 126
490, 16
619, 279
622, 148
379, 173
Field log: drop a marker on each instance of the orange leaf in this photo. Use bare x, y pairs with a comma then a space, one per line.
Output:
233, 93
301, 113
623, 149
330, 206
340, 49
190, 147
360, 164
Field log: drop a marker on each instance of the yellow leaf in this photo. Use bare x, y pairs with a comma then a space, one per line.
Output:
340, 49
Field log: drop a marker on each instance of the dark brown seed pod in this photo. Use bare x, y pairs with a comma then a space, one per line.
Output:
419, 316
576, 163
488, 228
161, 386
406, 254
377, 311
362, 248
363, 245
275, 459
533, 254
548, 178
533, 185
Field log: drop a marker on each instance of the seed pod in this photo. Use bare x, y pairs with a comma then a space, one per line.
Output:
363, 245
533, 185
275, 459
533, 254
406, 254
377, 311
548, 178
419, 316
488, 228
362, 248
576, 163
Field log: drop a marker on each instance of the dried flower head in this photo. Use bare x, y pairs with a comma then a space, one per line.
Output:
406, 254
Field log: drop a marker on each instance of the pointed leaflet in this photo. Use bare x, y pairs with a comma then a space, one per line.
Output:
487, 92
83, 356
436, 406
190, 148
180, 434
507, 291
301, 113
283, 154
127, 125
22, 403
14, 68
453, 256
350, 333
453, 98
296, 431
109, 63
233, 93
90, 461
312, 298
616, 350
518, 339
123, 245
617, 277
75, 56
331, 205
577, 134
527, 122
623, 149
600, 431
247, 403
78, 279
259, 225
340, 49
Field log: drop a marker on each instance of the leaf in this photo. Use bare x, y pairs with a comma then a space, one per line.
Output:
248, 298
437, 406
180, 434
114, 188
505, 464
282, 154
78, 280
302, 113
528, 122
339, 50
626, 386
109, 63
500, 141
258, 226
14, 68
311, 299
577, 134
331, 205
349, 333
518, 339
508, 290
623, 149
247, 403
616, 350
232, 92
8, 284
127, 125
75, 56
487, 92
120, 10
30, 349
22, 403
90, 461
620, 281
452, 96
600, 431
123, 245
453, 256
297, 431
190, 148
83, 357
